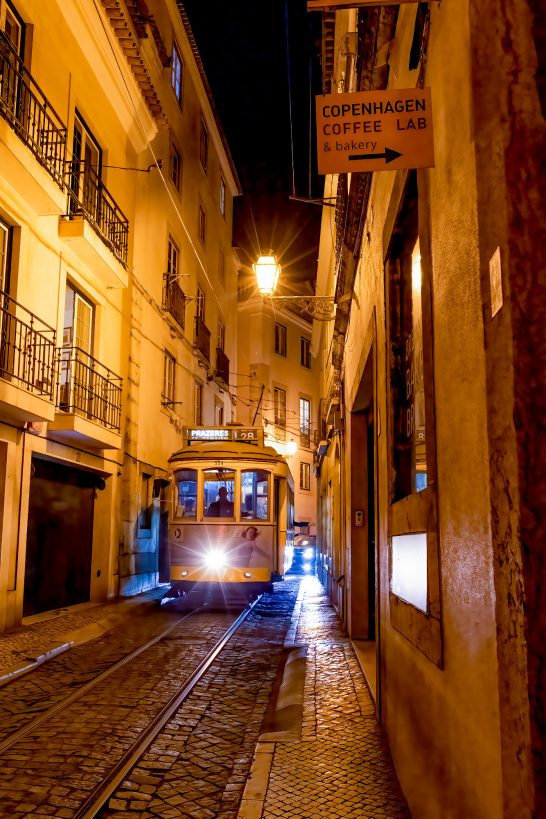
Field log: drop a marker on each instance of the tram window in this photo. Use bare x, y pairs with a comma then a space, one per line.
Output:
254, 494
218, 488
186, 493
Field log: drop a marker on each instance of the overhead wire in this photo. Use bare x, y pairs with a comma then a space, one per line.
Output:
157, 161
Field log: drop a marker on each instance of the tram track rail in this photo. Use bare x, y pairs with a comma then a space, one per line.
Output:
111, 779
111, 782
12, 739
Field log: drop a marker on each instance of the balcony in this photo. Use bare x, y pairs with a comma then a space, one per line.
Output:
27, 363
88, 401
222, 366
201, 343
174, 299
95, 225
32, 122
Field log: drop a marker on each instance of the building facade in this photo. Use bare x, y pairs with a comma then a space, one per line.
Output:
432, 549
278, 387
116, 267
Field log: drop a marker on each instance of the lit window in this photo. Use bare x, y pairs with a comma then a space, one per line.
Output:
280, 339
221, 337
279, 404
176, 73
305, 476
218, 488
200, 304
175, 167
409, 568
254, 492
305, 415
305, 353
173, 255
222, 196
169, 367
186, 493
204, 146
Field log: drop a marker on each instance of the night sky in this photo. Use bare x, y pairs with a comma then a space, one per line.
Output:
243, 46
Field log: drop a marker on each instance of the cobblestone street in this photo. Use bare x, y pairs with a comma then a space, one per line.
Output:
223, 754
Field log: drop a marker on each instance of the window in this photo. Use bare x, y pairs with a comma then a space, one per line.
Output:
204, 146
305, 353
13, 27
85, 171
305, 415
218, 414
5, 246
186, 493
305, 476
222, 267
169, 367
222, 196
221, 337
254, 494
414, 600
218, 487
175, 167
279, 406
173, 255
77, 383
197, 403
280, 339
200, 304
146, 503
410, 447
78, 321
202, 225
176, 73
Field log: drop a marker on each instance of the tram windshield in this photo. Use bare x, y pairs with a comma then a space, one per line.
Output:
254, 494
186, 497
218, 486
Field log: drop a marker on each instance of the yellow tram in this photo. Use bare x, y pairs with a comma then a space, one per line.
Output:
231, 520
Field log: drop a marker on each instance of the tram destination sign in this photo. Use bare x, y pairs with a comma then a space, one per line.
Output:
222, 434
375, 130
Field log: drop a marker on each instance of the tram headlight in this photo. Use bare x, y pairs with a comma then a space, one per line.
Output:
215, 559
248, 574
308, 553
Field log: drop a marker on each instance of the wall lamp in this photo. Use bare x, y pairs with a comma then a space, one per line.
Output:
267, 271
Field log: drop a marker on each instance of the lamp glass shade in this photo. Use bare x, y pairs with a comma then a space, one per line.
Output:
267, 271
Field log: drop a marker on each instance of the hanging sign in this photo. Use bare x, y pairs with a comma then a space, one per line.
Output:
375, 130
325, 5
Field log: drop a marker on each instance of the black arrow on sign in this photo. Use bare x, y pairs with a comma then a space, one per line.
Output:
388, 156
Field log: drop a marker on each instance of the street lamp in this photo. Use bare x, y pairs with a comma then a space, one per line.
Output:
267, 271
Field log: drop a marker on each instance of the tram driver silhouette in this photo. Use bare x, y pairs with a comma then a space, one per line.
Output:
221, 508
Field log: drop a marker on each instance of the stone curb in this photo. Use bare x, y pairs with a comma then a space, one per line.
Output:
76, 637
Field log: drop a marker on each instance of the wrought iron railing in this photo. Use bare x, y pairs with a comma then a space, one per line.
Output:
88, 388
174, 299
29, 114
202, 338
27, 349
222, 366
89, 196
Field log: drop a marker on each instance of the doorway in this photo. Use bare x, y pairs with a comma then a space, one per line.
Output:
59, 537
364, 559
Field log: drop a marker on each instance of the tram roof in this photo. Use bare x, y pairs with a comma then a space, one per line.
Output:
237, 444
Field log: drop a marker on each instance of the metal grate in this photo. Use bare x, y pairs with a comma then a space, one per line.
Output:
88, 388
27, 348
29, 114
